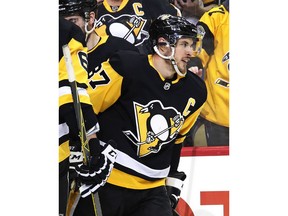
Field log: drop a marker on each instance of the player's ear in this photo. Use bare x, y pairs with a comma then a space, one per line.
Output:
92, 17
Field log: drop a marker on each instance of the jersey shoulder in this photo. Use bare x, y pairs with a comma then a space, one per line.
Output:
215, 12
107, 46
120, 44
128, 61
198, 84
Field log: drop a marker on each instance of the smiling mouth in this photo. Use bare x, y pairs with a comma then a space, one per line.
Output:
186, 60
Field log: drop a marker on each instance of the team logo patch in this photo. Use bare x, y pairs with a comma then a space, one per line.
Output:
156, 126
128, 27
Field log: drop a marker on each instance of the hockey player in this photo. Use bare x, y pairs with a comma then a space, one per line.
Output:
147, 105
82, 13
193, 10
99, 48
101, 163
215, 58
130, 19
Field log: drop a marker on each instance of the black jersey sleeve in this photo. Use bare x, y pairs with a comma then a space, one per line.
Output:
122, 44
126, 61
175, 158
158, 7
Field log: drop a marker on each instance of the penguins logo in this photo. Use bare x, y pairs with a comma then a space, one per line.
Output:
155, 126
129, 27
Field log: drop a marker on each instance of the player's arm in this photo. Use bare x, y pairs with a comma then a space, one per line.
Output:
209, 24
175, 179
100, 161
107, 94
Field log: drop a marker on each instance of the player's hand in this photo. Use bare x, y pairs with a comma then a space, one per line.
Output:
196, 70
174, 185
102, 160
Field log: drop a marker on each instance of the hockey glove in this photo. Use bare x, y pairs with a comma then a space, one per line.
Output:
174, 185
102, 158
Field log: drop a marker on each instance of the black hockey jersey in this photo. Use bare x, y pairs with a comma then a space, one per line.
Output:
132, 19
106, 46
146, 115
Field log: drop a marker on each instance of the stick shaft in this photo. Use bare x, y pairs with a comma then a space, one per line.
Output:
77, 104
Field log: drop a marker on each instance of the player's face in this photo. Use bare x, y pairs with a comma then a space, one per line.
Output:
184, 50
78, 20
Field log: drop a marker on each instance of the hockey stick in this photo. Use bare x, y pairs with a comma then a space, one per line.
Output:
80, 121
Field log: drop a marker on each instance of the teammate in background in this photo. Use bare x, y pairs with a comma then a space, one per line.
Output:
72, 35
192, 10
82, 13
130, 19
215, 58
148, 105
99, 48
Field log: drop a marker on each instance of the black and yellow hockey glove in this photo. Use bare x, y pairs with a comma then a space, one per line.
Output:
102, 158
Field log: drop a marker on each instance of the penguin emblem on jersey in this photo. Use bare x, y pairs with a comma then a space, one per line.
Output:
156, 126
129, 27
